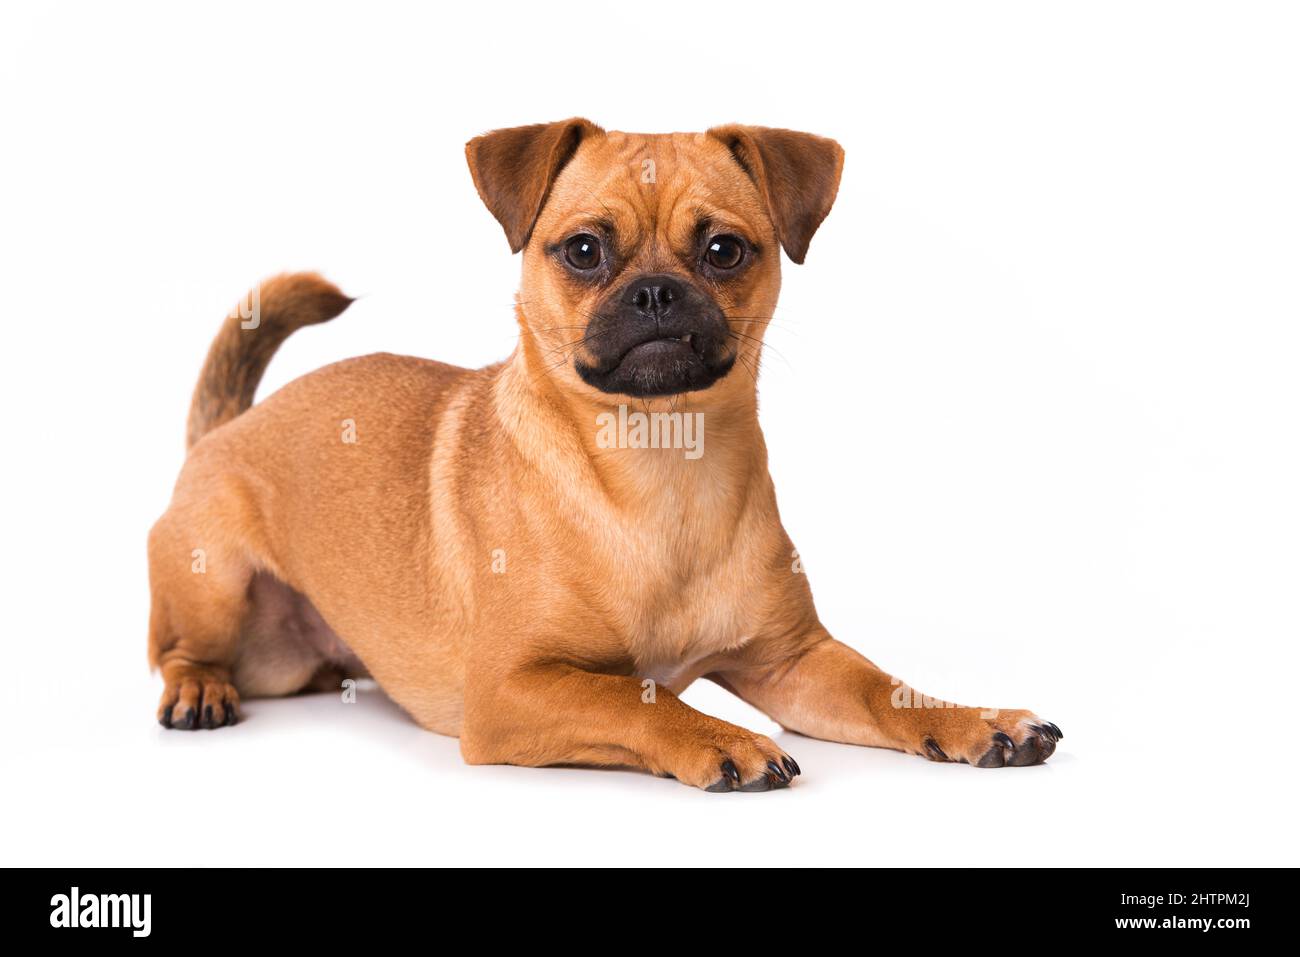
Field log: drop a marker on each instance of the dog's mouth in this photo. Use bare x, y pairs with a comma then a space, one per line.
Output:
659, 365
684, 347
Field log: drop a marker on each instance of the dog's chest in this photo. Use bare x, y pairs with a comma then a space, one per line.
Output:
684, 611
679, 559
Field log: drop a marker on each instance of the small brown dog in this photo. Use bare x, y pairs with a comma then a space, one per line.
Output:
512, 554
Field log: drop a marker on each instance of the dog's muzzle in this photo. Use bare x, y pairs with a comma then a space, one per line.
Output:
657, 335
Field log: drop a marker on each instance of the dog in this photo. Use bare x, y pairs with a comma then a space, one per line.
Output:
477, 543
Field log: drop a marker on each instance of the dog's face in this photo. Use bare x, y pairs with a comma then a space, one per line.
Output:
651, 263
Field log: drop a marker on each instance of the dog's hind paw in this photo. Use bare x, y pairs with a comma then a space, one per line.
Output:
198, 699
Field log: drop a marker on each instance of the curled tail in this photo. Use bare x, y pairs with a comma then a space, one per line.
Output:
247, 340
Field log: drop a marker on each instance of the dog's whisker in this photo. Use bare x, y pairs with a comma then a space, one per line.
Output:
765, 321
740, 357
607, 210
566, 357
762, 344
577, 342
539, 332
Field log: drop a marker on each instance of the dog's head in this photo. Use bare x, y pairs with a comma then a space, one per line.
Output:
651, 261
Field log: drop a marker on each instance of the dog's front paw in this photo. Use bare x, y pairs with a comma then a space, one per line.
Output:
734, 761
991, 739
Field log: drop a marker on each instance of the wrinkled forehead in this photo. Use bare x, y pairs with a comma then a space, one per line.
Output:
666, 184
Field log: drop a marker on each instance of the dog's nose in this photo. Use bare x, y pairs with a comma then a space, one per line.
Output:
653, 296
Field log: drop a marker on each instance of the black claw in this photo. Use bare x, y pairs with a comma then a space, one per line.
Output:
1049, 731
933, 750
791, 768
729, 770
187, 722
779, 772
209, 718
1060, 735
232, 718
166, 719
1000, 755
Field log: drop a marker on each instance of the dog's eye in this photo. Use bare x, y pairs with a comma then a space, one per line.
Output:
583, 252
724, 252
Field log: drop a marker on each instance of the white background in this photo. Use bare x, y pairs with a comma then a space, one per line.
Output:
1031, 406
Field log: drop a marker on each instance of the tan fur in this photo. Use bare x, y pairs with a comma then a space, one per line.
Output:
324, 557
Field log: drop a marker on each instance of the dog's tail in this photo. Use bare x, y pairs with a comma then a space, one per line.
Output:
247, 340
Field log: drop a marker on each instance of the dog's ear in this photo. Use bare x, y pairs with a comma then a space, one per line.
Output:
513, 170
798, 175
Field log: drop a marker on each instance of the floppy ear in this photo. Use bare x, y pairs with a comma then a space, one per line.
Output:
798, 175
513, 170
